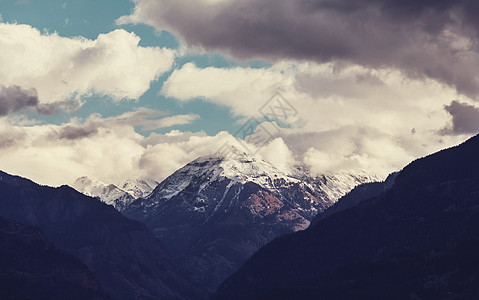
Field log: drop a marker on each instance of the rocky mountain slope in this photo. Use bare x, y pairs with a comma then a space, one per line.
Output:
417, 240
217, 211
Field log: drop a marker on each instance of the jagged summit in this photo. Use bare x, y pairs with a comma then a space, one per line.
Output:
241, 167
139, 188
113, 195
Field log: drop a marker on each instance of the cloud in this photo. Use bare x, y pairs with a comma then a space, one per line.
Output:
424, 39
172, 121
354, 148
465, 118
367, 115
64, 69
161, 159
239, 88
143, 118
111, 150
149, 119
10, 137
108, 149
72, 132
278, 154
349, 117
56, 107
14, 98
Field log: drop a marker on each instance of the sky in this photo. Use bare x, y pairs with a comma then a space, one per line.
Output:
119, 89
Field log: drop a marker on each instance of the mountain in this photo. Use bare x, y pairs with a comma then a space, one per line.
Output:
32, 268
119, 197
417, 240
128, 261
139, 188
215, 212
357, 195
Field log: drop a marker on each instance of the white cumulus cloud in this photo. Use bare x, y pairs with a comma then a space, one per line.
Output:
348, 117
61, 68
109, 149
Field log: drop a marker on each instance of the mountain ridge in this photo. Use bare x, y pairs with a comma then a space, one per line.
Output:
123, 255
217, 211
118, 196
33, 268
407, 242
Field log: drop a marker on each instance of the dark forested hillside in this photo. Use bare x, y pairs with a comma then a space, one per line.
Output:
32, 268
418, 240
128, 261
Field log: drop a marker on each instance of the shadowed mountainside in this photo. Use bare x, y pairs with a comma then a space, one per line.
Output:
418, 240
32, 268
125, 257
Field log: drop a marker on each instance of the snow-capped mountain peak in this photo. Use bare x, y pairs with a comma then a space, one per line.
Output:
239, 168
216, 211
139, 188
108, 193
242, 167
112, 194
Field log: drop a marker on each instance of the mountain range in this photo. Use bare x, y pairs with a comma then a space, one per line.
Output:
415, 239
118, 196
123, 255
206, 219
254, 230
215, 212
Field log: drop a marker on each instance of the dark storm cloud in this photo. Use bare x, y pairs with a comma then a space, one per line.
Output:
465, 118
144, 118
436, 39
14, 98
70, 132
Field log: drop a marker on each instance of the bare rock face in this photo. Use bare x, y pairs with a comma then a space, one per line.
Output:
215, 212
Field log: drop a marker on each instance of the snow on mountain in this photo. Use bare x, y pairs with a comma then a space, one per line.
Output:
113, 195
139, 188
215, 212
241, 168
